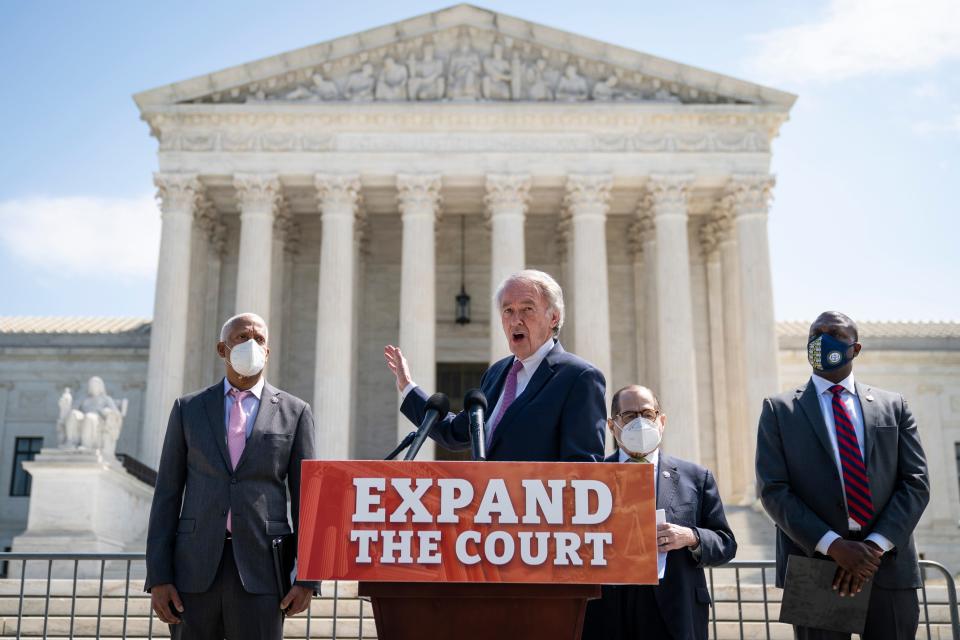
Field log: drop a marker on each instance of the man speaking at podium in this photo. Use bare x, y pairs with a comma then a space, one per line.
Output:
547, 404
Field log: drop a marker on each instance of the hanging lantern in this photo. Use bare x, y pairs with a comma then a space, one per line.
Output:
463, 298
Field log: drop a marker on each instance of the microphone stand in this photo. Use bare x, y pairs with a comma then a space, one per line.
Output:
406, 442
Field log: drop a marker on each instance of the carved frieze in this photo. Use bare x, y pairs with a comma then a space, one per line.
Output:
495, 132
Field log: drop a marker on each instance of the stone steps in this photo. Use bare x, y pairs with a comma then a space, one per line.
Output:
349, 608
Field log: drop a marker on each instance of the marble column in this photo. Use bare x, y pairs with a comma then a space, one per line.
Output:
180, 196
635, 243
741, 468
677, 380
208, 259
507, 198
279, 292
709, 244
259, 197
587, 202
751, 196
418, 197
645, 295
338, 197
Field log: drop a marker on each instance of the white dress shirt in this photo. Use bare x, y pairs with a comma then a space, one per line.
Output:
530, 365
852, 404
250, 404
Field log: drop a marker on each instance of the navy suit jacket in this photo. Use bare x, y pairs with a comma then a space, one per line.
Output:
560, 416
800, 486
689, 495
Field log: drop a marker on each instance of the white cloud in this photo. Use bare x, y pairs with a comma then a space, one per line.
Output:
79, 236
938, 127
858, 37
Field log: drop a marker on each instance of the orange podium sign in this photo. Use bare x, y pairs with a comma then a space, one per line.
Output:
490, 522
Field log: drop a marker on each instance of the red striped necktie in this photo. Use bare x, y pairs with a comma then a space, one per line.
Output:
855, 483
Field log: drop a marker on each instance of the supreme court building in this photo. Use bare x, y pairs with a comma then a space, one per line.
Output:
345, 192
352, 191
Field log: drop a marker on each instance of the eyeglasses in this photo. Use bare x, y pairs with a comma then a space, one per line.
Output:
625, 417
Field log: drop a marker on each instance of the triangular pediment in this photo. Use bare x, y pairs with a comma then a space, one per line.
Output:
463, 54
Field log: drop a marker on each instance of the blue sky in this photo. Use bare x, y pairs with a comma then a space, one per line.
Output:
865, 212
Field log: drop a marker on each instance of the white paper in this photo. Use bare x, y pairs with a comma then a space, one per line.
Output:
661, 556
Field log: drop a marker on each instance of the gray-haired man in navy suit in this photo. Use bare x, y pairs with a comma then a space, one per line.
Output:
230, 463
545, 404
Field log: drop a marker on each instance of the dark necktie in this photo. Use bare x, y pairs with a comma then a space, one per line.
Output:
855, 483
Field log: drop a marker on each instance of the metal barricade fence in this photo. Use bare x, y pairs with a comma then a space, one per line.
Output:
90, 595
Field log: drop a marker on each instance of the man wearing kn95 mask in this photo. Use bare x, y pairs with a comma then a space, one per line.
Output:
230, 456
692, 534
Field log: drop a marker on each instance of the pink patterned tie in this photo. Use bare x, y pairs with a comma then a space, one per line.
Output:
236, 434
509, 395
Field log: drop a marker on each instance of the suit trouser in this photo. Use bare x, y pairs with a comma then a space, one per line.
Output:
893, 614
226, 610
625, 613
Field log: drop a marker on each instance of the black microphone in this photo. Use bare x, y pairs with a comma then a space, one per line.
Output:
475, 404
438, 405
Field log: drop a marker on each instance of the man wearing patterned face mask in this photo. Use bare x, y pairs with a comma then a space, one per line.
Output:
695, 534
230, 456
841, 472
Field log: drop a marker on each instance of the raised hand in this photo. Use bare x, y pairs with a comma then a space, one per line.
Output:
398, 365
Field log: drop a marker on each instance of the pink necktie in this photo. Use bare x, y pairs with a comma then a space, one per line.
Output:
509, 395
236, 434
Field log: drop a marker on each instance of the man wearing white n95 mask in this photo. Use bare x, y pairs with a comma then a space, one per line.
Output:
230, 455
695, 535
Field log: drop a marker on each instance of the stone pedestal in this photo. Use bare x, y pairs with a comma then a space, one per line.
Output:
82, 501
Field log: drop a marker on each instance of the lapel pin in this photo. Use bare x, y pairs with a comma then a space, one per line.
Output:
275, 400
869, 398
666, 474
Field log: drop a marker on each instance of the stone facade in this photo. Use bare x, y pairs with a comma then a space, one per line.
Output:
327, 189
39, 357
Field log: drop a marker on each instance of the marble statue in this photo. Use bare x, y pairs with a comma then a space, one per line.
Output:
426, 76
662, 94
572, 86
360, 84
605, 90
95, 423
536, 81
392, 83
463, 73
322, 89
497, 76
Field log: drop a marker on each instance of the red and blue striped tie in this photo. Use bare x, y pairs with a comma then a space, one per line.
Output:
855, 483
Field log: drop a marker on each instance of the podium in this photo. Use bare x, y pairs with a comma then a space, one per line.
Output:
415, 610
477, 550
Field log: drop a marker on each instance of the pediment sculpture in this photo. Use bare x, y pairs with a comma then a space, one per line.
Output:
464, 66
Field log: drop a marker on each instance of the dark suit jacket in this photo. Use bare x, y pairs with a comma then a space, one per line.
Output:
691, 499
196, 486
800, 486
560, 416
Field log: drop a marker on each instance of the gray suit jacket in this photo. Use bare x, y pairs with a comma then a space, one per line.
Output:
800, 488
197, 485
